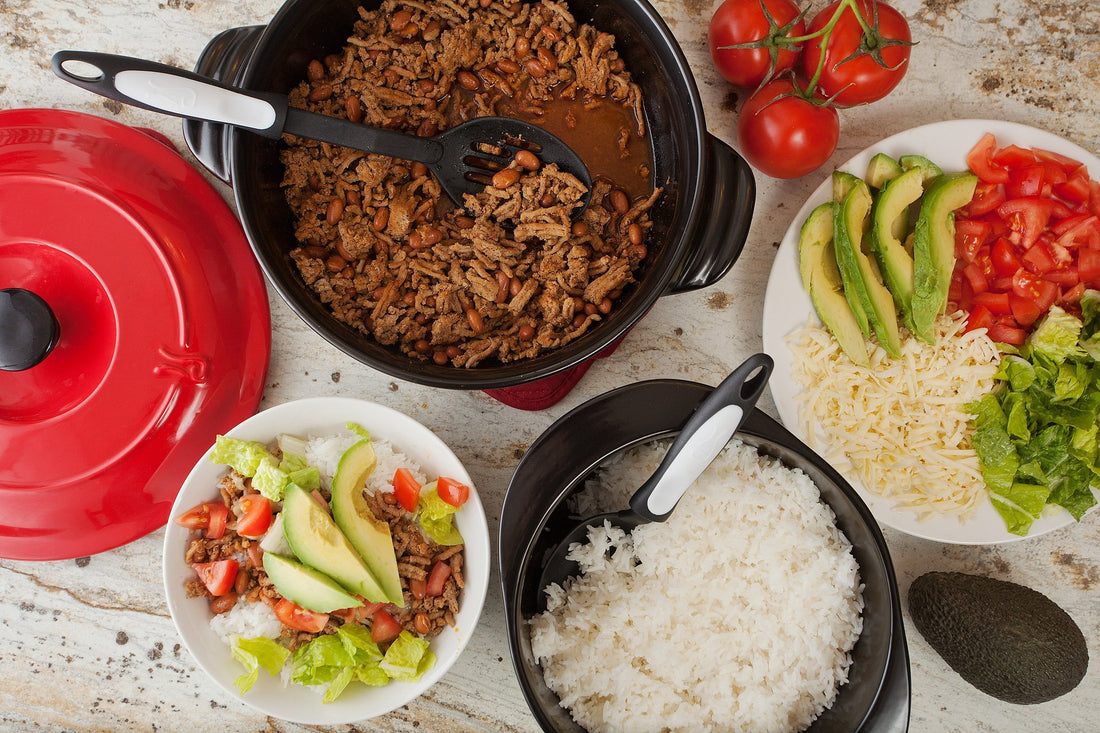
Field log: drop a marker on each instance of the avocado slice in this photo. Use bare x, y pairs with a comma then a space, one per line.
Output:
1008, 640
305, 586
862, 281
934, 247
881, 170
369, 535
319, 543
842, 184
821, 278
927, 168
889, 215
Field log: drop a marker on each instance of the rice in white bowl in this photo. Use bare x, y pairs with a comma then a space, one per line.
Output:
738, 613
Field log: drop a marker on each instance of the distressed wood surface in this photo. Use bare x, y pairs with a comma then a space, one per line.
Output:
88, 644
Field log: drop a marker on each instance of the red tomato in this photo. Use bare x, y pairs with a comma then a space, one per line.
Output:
980, 161
255, 515
996, 303
975, 276
406, 489
786, 136
1088, 265
1026, 217
849, 76
384, 628
452, 492
302, 619
1003, 334
1004, 258
1026, 285
210, 516
218, 576
1064, 277
1024, 310
1038, 259
987, 197
743, 21
979, 317
437, 578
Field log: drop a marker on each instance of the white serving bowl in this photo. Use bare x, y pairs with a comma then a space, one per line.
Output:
315, 417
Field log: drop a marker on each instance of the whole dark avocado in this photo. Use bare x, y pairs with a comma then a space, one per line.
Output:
1007, 640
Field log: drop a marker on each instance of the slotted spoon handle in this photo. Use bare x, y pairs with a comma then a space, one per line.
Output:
162, 88
702, 438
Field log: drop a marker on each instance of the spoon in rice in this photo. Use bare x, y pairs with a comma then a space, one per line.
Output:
464, 159
702, 438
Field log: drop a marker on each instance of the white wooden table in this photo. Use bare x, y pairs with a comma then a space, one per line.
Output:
88, 644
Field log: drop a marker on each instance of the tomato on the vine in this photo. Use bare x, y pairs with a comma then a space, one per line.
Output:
851, 73
786, 136
737, 22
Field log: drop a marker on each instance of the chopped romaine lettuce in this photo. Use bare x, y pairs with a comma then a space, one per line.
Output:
436, 518
256, 653
407, 658
245, 456
1036, 435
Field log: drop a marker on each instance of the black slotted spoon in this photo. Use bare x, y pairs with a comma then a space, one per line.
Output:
463, 158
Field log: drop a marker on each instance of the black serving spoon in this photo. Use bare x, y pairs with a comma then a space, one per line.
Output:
701, 439
460, 158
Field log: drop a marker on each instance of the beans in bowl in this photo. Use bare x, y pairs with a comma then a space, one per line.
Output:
508, 275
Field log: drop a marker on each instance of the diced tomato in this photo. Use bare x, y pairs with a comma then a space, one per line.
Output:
255, 515
1026, 217
436, 579
1004, 258
359, 613
1038, 259
406, 489
452, 492
954, 290
970, 236
1088, 265
1024, 310
1075, 189
1013, 156
1025, 181
979, 317
210, 516
1003, 334
1069, 165
1094, 197
1072, 296
217, 576
987, 197
384, 628
1085, 231
981, 163
1063, 277
1060, 227
976, 278
302, 619
1043, 292
996, 303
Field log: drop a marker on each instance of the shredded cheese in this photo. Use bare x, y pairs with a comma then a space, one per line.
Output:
900, 425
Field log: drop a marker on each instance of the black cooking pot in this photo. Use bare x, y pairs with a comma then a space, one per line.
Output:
535, 518
701, 221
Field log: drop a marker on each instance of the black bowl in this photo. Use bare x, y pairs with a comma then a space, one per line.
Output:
701, 221
534, 519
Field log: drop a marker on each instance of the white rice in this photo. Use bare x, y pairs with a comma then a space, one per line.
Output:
736, 614
324, 452
248, 620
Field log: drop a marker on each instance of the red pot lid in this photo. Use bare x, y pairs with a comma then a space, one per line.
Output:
162, 331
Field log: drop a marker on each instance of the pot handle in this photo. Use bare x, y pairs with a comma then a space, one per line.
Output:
724, 221
224, 59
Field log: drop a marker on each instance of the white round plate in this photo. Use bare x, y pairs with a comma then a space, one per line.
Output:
787, 308
315, 417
